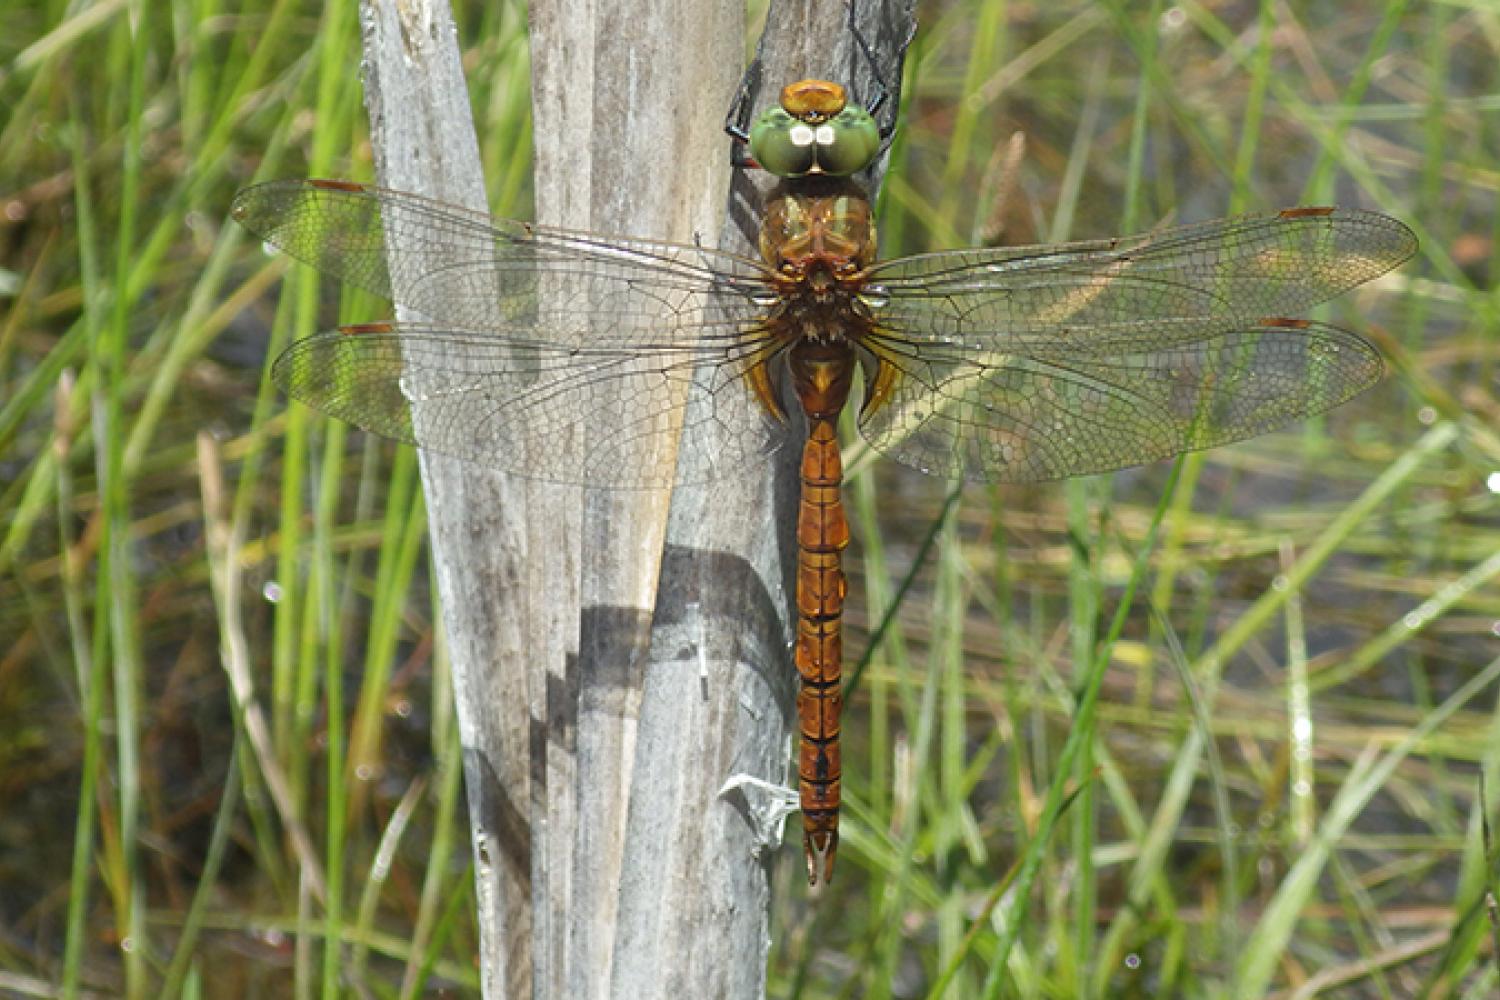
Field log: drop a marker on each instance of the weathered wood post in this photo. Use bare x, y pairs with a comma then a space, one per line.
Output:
617, 656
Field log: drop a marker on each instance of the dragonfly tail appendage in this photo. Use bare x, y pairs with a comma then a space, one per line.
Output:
822, 534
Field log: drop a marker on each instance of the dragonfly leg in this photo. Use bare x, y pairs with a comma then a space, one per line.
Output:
737, 120
875, 102
882, 93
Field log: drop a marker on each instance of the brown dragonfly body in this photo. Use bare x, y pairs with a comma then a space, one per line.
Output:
818, 235
628, 363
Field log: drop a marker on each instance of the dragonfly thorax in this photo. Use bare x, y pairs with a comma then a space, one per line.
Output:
831, 318
818, 233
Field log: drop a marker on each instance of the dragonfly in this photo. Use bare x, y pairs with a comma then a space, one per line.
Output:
629, 363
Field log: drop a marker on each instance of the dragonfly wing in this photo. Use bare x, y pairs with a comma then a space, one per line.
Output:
1135, 293
1021, 417
599, 416
468, 271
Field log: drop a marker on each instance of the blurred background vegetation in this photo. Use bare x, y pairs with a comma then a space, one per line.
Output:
219, 674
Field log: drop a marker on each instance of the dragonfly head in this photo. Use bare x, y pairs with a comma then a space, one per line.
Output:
814, 131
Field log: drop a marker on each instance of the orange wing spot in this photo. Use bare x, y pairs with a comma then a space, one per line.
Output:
1309, 212
358, 329
337, 185
1282, 321
813, 100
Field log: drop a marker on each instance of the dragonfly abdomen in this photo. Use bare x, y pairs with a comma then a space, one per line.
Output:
822, 534
821, 375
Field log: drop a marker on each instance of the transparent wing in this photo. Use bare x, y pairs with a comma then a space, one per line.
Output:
1026, 417
557, 355
1043, 362
1139, 292
596, 416
467, 271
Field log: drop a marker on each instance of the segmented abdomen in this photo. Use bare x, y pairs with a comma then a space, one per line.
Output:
822, 534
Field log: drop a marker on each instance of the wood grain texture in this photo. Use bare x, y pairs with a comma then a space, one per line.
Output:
618, 657
628, 100
423, 138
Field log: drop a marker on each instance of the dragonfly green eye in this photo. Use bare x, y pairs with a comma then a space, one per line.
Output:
789, 146
854, 143
782, 144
